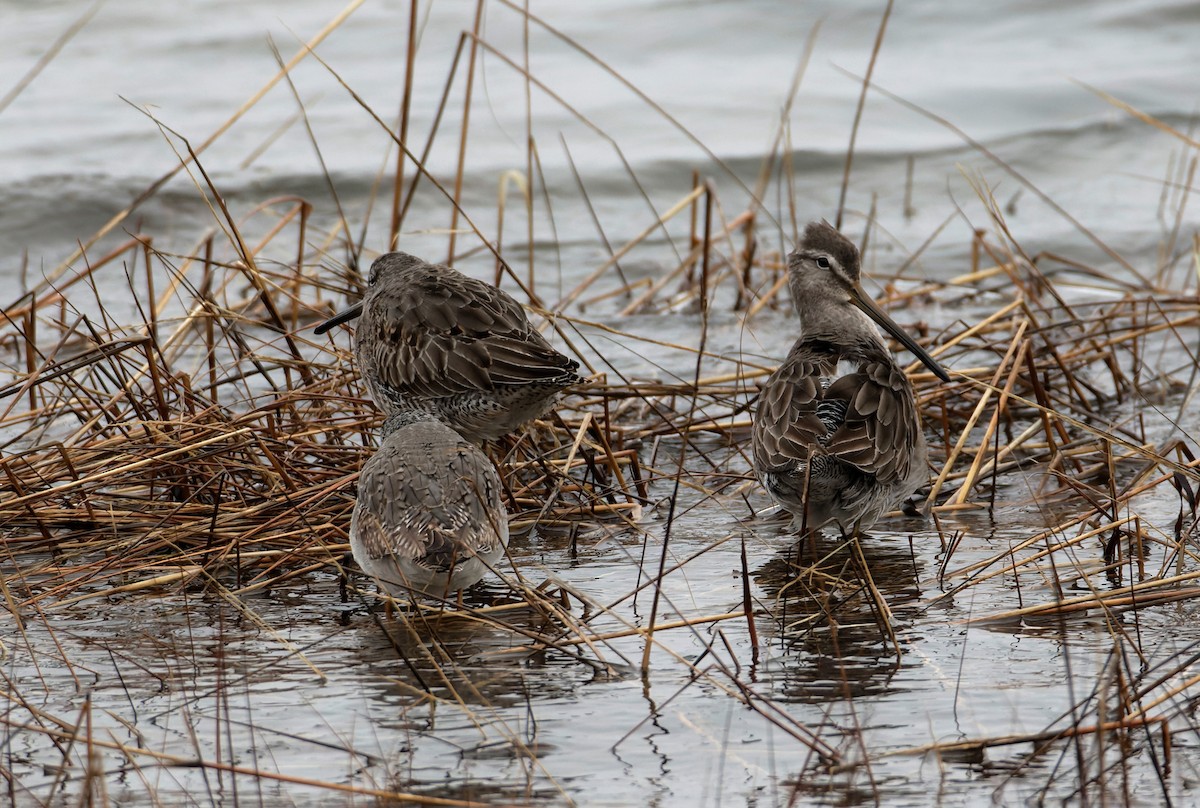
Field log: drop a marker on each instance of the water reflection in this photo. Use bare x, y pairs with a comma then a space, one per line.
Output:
840, 639
460, 656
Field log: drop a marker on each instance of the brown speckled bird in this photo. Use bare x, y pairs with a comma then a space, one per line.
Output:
435, 340
837, 437
429, 518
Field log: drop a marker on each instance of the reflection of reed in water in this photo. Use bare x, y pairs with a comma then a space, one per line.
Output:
462, 658
431, 676
834, 606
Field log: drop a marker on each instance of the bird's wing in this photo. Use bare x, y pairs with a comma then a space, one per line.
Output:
392, 504
877, 432
865, 418
787, 427
436, 336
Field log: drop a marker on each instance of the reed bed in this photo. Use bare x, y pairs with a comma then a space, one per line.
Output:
171, 426
214, 444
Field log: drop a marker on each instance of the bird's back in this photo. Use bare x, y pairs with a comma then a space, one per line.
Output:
429, 514
432, 338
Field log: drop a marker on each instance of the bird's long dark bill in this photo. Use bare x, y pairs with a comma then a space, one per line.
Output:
339, 318
860, 299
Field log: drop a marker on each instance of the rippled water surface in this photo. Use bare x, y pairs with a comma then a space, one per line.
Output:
313, 689
75, 146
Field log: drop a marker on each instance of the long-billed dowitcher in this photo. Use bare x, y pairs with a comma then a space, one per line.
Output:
433, 339
837, 437
429, 518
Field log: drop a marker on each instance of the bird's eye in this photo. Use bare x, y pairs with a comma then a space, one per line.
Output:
822, 262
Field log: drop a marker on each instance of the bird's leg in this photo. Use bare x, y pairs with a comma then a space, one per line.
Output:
804, 513
805, 530
810, 541
856, 532
343, 578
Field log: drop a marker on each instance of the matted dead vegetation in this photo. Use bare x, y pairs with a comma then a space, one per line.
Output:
212, 444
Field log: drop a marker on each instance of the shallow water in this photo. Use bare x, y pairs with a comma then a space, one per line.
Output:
295, 691
298, 683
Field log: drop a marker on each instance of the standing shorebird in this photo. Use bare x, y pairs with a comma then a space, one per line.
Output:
435, 340
428, 517
837, 437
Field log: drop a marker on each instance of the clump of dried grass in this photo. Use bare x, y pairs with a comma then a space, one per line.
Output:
210, 440
228, 448
214, 435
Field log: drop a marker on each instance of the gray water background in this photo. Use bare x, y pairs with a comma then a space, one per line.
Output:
1008, 74
72, 153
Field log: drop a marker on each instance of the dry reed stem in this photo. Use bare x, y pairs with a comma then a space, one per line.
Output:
71, 734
